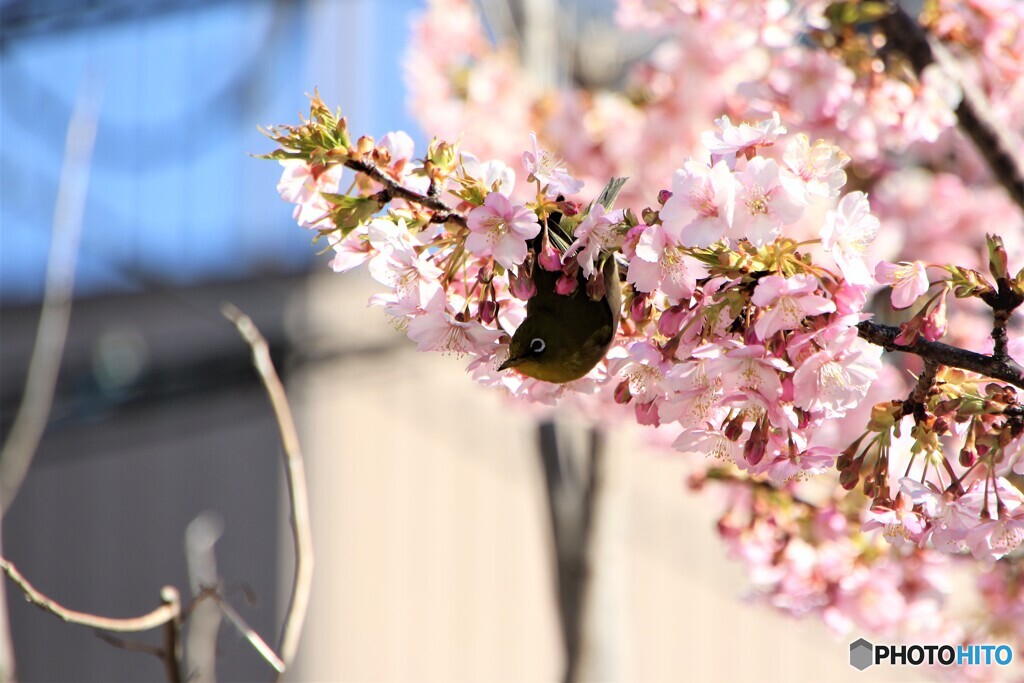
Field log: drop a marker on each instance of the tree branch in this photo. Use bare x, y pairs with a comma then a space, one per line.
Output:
885, 335
974, 115
394, 189
295, 472
55, 312
164, 614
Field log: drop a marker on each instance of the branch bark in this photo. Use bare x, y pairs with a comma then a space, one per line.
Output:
168, 611
44, 364
905, 34
393, 189
295, 472
943, 354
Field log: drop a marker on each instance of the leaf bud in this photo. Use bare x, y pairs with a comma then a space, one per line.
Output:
997, 261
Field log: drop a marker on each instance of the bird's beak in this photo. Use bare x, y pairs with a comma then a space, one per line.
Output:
510, 363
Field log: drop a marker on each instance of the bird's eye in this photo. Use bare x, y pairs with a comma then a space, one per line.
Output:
537, 345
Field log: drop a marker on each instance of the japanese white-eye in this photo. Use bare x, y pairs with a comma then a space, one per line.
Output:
564, 337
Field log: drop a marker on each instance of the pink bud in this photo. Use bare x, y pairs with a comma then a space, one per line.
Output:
671, 321
934, 325
569, 207
754, 449
663, 196
566, 285
638, 308
521, 286
488, 311
549, 257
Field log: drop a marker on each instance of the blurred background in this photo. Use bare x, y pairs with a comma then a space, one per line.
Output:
434, 554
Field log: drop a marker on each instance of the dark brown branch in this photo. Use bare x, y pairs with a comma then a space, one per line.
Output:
943, 354
906, 35
915, 403
1003, 302
295, 472
393, 189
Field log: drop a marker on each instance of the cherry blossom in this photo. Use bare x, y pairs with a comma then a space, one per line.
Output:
787, 302
909, 280
763, 204
500, 229
661, 264
549, 171
701, 207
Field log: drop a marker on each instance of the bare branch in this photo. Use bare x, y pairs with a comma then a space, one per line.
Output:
393, 189
885, 336
250, 634
201, 535
974, 114
167, 612
131, 645
295, 472
44, 365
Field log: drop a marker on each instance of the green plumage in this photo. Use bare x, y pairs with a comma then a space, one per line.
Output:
564, 337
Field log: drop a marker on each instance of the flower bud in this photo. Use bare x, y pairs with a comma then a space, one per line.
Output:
521, 286
596, 287
848, 479
549, 258
638, 308
997, 262
364, 145
488, 311
933, 327
968, 456
566, 285
734, 428
664, 196
670, 322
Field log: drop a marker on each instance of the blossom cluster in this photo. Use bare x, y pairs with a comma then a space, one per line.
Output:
938, 474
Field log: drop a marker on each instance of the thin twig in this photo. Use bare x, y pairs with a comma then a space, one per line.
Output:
394, 189
295, 472
131, 645
250, 634
885, 336
974, 114
168, 611
44, 364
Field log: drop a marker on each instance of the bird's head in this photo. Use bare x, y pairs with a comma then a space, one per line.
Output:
541, 348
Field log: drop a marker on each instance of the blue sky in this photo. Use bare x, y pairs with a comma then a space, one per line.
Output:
173, 194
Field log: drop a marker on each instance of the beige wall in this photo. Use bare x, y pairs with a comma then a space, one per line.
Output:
432, 538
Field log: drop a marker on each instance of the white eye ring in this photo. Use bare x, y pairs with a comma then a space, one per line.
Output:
537, 345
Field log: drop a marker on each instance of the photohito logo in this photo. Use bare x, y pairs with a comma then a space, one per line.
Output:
863, 654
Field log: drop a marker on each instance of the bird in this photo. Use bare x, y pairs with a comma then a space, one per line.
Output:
563, 337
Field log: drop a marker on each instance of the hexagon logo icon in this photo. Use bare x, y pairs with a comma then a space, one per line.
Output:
861, 654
